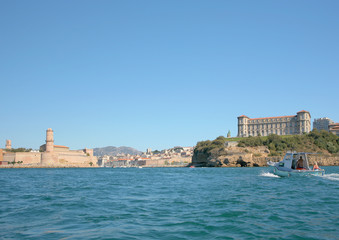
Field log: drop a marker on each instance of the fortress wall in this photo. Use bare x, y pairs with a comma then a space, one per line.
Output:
155, 162
59, 149
25, 157
180, 159
75, 158
10, 157
78, 152
89, 151
1, 155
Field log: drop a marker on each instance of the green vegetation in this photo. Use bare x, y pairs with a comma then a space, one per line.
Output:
207, 146
14, 162
19, 150
178, 149
315, 141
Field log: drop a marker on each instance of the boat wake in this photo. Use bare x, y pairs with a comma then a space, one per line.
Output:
332, 176
268, 174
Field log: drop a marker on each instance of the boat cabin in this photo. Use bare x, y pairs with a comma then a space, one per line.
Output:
296, 161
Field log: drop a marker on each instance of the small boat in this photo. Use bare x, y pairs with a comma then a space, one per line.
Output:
295, 163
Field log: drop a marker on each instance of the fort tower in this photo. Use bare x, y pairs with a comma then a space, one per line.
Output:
49, 140
8, 144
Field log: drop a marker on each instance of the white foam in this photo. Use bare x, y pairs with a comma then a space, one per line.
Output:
332, 176
268, 174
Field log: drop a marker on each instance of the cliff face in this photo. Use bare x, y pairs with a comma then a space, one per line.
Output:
231, 157
248, 157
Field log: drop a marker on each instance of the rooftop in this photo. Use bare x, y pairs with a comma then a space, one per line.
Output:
291, 116
60, 146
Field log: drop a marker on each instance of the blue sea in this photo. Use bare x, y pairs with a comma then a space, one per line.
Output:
167, 203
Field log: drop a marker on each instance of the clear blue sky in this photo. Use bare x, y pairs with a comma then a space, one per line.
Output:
160, 74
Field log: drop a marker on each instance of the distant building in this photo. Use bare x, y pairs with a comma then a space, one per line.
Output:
283, 125
8, 144
52, 155
149, 151
334, 128
322, 123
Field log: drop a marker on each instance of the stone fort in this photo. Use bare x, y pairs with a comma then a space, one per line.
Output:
52, 155
283, 125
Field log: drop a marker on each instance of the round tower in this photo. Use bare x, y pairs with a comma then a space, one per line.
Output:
242, 126
8, 144
49, 140
304, 121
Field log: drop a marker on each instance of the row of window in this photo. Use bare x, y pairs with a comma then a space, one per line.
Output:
269, 120
274, 131
269, 126
265, 133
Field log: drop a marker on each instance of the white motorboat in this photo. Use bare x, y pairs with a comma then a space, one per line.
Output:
295, 163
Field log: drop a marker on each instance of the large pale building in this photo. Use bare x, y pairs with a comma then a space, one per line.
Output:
283, 125
322, 123
334, 128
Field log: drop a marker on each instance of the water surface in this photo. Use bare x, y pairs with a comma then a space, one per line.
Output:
167, 203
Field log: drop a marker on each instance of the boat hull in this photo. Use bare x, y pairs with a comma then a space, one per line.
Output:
282, 173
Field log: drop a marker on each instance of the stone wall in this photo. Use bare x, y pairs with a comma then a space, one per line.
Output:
49, 158
75, 158
155, 162
1, 155
25, 157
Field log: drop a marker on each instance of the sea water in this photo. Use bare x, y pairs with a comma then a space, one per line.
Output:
167, 203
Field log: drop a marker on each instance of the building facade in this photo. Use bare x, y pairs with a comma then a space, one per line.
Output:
322, 123
284, 125
334, 128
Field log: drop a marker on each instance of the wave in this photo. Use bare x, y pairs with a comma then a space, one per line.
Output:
332, 176
268, 174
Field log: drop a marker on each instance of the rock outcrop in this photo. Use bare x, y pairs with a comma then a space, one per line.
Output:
232, 156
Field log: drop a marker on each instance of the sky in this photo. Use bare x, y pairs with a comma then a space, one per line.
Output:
158, 74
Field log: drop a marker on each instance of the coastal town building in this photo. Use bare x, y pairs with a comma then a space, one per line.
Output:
174, 157
52, 155
334, 128
149, 151
322, 123
283, 125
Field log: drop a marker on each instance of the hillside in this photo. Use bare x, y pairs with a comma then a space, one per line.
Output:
113, 151
254, 150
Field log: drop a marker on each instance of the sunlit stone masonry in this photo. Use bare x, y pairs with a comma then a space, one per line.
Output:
283, 125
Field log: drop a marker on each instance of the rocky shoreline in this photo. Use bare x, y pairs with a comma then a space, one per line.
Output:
249, 157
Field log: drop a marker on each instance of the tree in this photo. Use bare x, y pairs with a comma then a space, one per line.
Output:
19, 150
229, 134
156, 152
